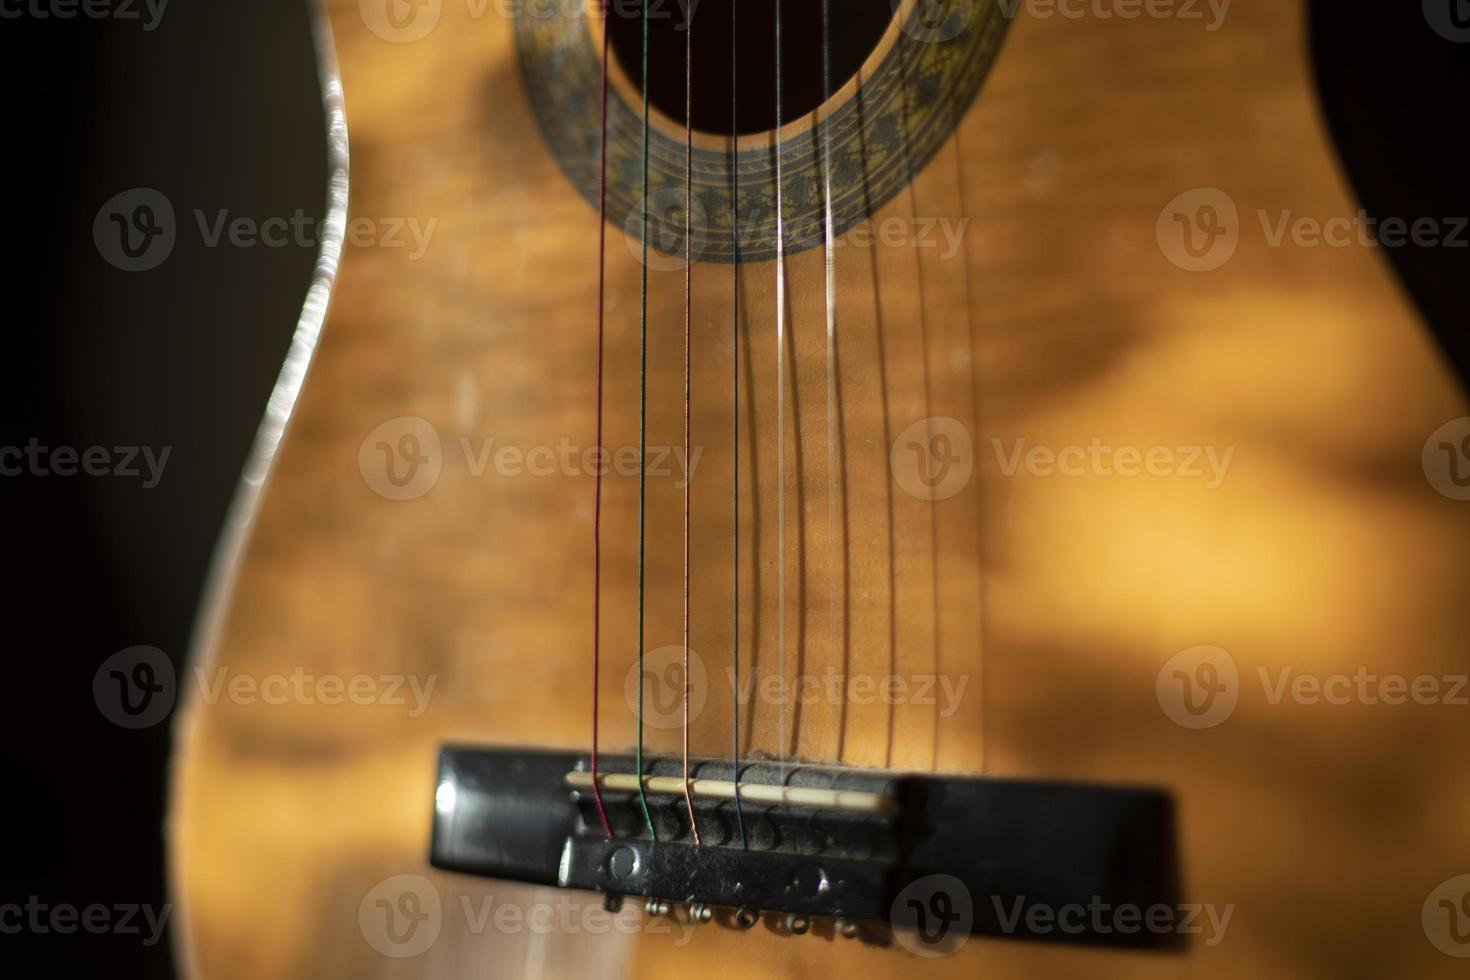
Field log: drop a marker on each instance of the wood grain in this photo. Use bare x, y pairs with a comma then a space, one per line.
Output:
1055, 600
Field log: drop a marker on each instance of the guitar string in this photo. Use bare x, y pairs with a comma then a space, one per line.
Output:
688, 316
643, 433
597, 478
886, 399
735, 417
976, 409
830, 297
831, 300
956, 119
924, 332
780, 423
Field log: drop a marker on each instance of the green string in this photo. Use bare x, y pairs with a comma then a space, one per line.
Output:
643, 428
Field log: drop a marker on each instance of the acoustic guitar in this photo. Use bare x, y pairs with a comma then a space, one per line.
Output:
847, 487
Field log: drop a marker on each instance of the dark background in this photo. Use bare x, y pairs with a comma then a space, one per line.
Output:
219, 108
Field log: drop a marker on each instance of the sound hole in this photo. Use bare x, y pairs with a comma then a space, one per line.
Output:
856, 28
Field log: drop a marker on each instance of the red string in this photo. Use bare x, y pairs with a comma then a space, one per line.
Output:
597, 492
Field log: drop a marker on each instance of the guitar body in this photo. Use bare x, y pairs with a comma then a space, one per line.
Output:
1026, 620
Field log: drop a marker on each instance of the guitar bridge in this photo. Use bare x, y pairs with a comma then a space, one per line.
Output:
857, 851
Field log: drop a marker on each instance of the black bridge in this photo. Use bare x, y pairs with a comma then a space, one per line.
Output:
855, 851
